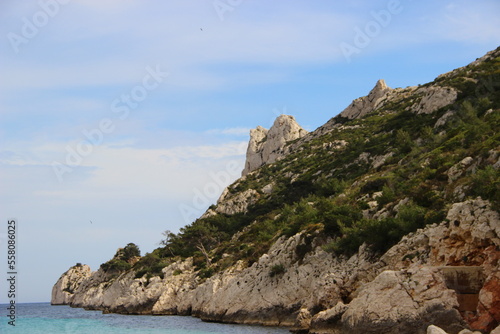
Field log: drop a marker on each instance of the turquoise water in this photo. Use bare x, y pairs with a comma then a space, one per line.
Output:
46, 319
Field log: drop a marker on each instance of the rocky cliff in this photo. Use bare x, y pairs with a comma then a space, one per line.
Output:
384, 220
267, 146
403, 291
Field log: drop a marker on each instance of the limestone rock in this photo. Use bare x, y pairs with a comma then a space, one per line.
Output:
303, 319
328, 321
466, 331
473, 226
435, 330
459, 169
366, 104
434, 98
444, 119
254, 157
235, 203
69, 282
403, 302
267, 189
496, 330
267, 146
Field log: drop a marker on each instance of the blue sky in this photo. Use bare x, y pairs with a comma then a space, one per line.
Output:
197, 76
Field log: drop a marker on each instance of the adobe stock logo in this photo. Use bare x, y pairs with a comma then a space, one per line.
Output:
204, 196
122, 107
372, 29
31, 26
224, 6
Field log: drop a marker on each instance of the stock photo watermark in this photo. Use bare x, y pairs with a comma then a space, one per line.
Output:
120, 106
223, 6
204, 196
363, 36
31, 26
11, 272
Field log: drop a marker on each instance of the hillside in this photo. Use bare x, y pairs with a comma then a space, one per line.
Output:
351, 227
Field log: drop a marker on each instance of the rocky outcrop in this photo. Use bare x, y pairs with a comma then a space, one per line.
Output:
254, 158
366, 104
268, 146
230, 203
380, 96
405, 301
64, 290
434, 98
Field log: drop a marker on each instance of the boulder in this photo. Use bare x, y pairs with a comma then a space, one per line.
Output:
496, 330
403, 302
435, 330
328, 321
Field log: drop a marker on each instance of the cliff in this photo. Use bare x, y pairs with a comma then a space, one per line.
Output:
384, 220
267, 146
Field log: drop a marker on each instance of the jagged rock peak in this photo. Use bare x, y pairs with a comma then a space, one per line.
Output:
366, 104
380, 86
268, 146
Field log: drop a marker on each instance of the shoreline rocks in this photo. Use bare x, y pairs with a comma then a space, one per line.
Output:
395, 293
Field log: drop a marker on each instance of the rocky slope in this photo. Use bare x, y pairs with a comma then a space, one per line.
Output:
384, 220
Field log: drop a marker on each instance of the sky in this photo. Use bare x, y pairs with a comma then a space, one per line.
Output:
122, 119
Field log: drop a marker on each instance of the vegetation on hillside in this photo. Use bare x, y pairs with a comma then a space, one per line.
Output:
338, 193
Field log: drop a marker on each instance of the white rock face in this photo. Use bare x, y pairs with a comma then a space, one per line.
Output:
434, 98
435, 330
267, 146
230, 204
459, 169
254, 157
63, 291
366, 104
403, 302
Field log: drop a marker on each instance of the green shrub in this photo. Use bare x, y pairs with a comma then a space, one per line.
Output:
277, 269
130, 251
206, 273
373, 185
388, 196
411, 217
486, 183
150, 264
115, 265
404, 141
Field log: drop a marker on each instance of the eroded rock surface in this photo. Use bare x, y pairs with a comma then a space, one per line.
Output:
267, 146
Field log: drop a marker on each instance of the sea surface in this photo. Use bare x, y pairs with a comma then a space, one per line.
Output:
46, 319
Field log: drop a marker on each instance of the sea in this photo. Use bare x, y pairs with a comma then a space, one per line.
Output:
44, 318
